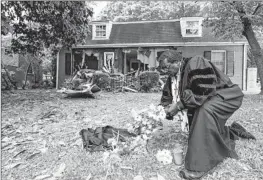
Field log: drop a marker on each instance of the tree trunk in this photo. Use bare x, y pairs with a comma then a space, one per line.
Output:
256, 50
23, 87
7, 84
8, 76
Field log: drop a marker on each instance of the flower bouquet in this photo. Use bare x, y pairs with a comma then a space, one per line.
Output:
147, 121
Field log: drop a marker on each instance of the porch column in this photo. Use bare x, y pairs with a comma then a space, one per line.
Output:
125, 63
72, 61
60, 74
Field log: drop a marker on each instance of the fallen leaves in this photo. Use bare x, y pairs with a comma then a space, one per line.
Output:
33, 155
138, 177
40, 177
19, 153
13, 165
60, 171
16, 139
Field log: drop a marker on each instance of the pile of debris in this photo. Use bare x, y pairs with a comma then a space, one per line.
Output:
86, 82
81, 84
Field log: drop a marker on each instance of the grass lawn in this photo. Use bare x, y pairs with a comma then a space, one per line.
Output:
40, 136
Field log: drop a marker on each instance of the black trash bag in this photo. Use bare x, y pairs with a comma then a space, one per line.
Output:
240, 131
96, 140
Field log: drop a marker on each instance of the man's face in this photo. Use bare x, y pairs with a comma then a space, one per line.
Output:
171, 68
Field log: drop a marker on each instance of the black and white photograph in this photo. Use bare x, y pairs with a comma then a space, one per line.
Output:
132, 90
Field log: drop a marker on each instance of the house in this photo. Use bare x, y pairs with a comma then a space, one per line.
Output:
122, 46
17, 65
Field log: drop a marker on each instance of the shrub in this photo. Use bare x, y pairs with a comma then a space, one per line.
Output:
148, 80
101, 79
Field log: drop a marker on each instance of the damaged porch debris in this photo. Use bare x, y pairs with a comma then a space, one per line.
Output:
87, 82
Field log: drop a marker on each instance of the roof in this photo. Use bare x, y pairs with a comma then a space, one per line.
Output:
165, 31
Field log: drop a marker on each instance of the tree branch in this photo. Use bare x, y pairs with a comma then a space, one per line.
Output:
257, 8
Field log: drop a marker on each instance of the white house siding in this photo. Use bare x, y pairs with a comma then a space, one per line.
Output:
190, 51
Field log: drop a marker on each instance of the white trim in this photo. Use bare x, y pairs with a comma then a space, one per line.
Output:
222, 51
159, 44
57, 73
107, 30
244, 86
104, 59
183, 24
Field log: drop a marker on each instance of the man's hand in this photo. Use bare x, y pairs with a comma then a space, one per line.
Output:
174, 109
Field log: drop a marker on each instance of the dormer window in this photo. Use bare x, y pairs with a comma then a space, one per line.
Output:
100, 31
191, 26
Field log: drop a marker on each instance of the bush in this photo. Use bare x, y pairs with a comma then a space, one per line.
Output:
148, 80
101, 79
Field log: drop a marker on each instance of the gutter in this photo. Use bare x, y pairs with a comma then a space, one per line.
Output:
121, 45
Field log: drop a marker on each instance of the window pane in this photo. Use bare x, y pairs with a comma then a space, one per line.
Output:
192, 24
192, 31
230, 63
218, 59
101, 31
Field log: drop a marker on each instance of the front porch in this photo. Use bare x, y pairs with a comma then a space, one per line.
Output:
111, 60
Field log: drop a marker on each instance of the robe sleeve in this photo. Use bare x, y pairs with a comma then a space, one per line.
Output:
198, 83
167, 97
190, 100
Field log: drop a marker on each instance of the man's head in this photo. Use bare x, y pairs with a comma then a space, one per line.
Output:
170, 62
169, 67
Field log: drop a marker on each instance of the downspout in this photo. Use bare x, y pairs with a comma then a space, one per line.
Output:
244, 84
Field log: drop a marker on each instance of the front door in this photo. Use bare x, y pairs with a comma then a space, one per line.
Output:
91, 62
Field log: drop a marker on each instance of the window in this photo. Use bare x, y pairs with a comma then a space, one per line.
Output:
230, 63
223, 60
109, 61
100, 31
218, 58
192, 28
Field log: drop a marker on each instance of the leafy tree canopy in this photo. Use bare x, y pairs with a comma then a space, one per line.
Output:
150, 10
225, 17
38, 24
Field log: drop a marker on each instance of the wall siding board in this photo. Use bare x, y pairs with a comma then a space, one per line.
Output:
191, 51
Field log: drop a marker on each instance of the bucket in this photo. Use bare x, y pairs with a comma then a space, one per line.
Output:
178, 156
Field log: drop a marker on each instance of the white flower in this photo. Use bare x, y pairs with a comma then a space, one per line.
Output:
160, 108
148, 132
144, 122
164, 156
134, 113
152, 107
143, 129
145, 137
155, 117
150, 114
138, 118
112, 142
162, 115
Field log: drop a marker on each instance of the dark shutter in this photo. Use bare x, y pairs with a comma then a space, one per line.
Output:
207, 55
68, 64
230, 63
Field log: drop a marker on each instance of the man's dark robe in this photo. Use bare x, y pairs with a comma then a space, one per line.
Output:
211, 98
